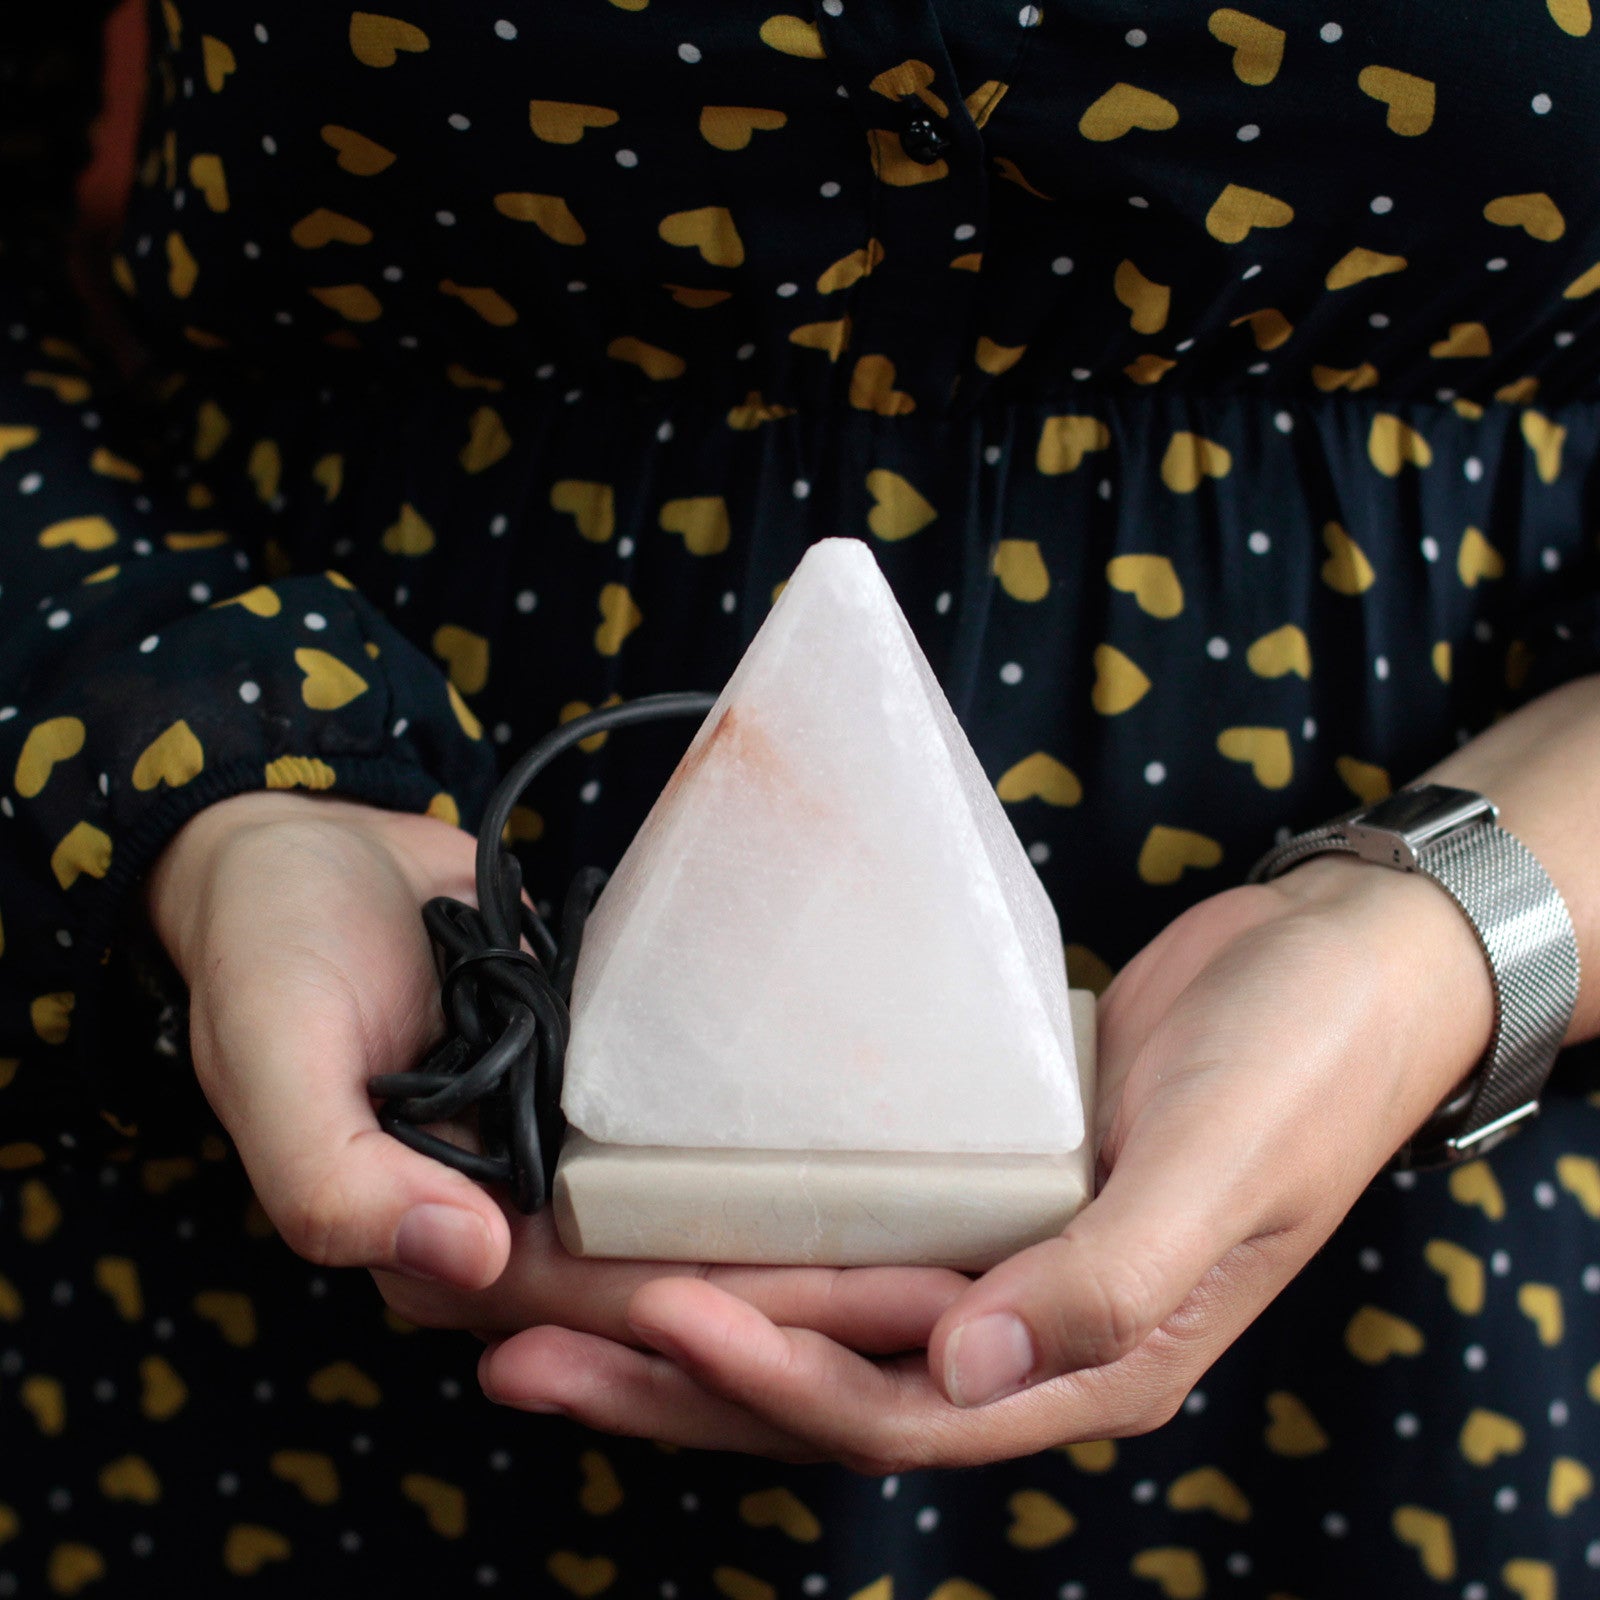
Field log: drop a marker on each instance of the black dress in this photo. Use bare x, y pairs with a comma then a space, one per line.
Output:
1217, 390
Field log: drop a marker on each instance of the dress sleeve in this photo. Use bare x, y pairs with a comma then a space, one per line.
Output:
146, 668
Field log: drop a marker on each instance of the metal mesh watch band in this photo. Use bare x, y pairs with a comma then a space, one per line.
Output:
1527, 936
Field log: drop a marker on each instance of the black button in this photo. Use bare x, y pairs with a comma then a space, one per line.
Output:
924, 141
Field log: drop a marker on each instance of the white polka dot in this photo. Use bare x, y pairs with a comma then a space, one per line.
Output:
501, 733
1217, 648
1550, 559
1029, 16
1500, 1263
1498, 264
1186, 344
350, 1541
991, 455
800, 488
260, 33
228, 1483
1474, 1358
1248, 132
1505, 1498
1382, 204
834, 8
1155, 772
1380, 669
1258, 367
1483, 630
1404, 1180
1335, 1526
1250, 272
1136, 37
689, 53
829, 190
1308, 729
1039, 853
1559, 1413
1072, 1591
179, 199
928, 1516
505, 30
1238, 1564
625, 547
1103, 488
943, 602
890, 1486
1592, 1554
1475, 1591
1330, 33
1061, 266
744, 352
31, 483
315, 621
1283, 422
526, 601
730, 602
1429, 548
1472, 469
1370, 1260
1407, 1425
1544, 1195
576, 286
545, 370
249, 692
58, 619
1259, 543
1565, 337
1139, 201
362, 1444
269, 144
498, 525
1378, 320
1541, 103
965, 231
400, 726
572, 397
626, 158
1144, 1491
1011, 673
785, 290
283, 319
252, 250
589, 793
401, 595
200, 593
1195, 1402
813, 1583
1444, 396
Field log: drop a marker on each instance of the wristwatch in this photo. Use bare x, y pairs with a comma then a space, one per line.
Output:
1453, 836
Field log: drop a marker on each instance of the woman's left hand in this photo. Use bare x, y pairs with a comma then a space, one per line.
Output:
1259, 1061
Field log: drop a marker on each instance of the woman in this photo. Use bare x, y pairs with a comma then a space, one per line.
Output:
1217, 392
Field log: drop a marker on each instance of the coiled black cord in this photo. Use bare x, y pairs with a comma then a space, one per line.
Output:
506, 1008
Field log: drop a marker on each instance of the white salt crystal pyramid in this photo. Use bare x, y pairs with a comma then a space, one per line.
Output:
826, 935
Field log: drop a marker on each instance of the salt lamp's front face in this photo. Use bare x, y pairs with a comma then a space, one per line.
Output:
826, 935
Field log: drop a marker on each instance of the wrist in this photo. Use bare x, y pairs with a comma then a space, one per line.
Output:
1430, 966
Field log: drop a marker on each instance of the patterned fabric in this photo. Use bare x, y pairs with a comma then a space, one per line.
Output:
1217, 391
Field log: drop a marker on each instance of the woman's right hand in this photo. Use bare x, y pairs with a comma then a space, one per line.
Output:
295, 920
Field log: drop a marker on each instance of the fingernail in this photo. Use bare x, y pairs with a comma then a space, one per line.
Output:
435, 1241
986, 1358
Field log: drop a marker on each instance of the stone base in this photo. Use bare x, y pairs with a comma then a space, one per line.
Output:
823, 1208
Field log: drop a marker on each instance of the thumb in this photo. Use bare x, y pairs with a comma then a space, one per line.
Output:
340, 1190
1121, 1267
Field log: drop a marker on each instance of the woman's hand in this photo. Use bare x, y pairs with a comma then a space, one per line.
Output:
1259, 1061
296, 922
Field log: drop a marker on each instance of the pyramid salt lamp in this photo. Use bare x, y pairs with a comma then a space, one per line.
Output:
820, 1013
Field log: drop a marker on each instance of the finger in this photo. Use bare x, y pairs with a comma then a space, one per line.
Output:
874, 1416
339, 1189
877, 1309
1176, 1201
891, 1416
612, 1388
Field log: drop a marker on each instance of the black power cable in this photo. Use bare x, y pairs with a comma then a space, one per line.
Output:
506, 1009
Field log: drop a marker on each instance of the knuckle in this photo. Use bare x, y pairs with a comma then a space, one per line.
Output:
316, 1222
1121, 1313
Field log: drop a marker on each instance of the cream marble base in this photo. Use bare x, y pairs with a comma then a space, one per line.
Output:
823, 1208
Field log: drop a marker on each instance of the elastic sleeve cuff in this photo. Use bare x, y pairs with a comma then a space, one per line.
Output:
295, 684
